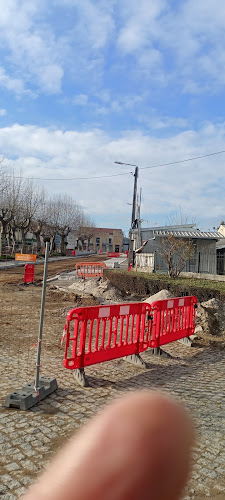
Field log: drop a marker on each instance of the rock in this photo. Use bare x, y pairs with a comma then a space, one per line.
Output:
162, 295
211, 303
211, 317
198, 328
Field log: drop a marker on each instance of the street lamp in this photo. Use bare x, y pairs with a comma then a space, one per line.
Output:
122, 163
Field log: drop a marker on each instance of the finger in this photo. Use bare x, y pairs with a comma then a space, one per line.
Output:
138, 447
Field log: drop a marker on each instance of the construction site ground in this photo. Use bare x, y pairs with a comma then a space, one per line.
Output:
29, 439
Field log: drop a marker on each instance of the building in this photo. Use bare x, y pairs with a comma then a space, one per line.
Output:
107, 240
204, 259
220, 247
97, 239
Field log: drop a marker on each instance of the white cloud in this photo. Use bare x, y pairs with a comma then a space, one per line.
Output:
13, 84
31, 49
80, 100
3, 112
194, 186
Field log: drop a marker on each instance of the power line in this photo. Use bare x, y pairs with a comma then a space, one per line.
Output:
70, 179
183, 161
122, 173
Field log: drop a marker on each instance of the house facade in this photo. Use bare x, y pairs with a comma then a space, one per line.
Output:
101, 240
204, 259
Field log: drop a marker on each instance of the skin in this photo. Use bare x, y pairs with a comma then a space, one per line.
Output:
139, 447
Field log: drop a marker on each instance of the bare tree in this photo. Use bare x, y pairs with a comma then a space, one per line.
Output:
9, 199
28, 202
179, 218
175, 253
64, 217
85, 231
38, 225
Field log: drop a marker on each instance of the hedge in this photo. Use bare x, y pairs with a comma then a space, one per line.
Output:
148, 284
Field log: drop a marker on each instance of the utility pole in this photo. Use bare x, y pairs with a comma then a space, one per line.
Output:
133, 217
134, 197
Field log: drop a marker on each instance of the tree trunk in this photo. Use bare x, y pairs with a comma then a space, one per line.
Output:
62, 243
23, 242
2, 237
38, 239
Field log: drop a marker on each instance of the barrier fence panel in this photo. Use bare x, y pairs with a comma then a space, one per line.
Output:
28, 273
90, 269
102, 333
174, 319
113, 254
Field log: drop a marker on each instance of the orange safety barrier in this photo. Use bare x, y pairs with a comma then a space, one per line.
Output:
113, 254
173, 319
101, 333
90, 269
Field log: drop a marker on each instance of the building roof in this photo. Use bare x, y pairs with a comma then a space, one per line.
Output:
206, 235
104, 229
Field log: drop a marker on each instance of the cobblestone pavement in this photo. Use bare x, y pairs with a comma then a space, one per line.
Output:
28, 439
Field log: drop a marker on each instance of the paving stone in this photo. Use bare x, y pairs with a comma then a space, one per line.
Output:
12, 466
196, 377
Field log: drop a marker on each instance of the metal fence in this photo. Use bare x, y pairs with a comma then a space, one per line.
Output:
200, 263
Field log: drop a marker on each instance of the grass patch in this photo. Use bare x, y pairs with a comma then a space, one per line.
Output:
149, 284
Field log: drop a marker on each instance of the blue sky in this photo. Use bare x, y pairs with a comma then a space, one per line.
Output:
86, 82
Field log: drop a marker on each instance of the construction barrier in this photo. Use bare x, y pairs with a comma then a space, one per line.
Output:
28, 273
113, 254
101, 333
90, 269
173, 319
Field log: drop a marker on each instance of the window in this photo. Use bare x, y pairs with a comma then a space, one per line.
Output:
97, 241
110, 241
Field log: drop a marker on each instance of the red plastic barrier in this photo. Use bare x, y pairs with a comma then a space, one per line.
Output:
102, 333
90, 269
174, 319
113, 254
28, 273
130, 267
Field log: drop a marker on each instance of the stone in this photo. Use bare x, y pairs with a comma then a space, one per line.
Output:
162, 295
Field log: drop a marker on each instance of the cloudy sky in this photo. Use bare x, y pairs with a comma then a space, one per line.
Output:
86, 82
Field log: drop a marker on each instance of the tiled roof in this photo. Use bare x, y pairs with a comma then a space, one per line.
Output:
103, 230
207, 235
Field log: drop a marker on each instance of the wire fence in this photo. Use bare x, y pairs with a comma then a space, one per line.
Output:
20, 304
208, 263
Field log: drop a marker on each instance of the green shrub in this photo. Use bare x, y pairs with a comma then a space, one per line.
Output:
148, 284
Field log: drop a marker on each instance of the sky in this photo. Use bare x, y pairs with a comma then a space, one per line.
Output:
85, 83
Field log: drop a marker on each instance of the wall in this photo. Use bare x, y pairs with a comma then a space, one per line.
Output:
109, 239
145, 261
206, 257
222, 229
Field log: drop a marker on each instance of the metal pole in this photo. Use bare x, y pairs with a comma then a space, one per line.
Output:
42, 315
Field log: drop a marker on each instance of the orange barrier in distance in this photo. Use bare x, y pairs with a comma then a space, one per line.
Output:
90, 269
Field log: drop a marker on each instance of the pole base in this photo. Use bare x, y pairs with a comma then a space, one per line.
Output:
135, 359
27, 397
186, 341
157, 351
79, 375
